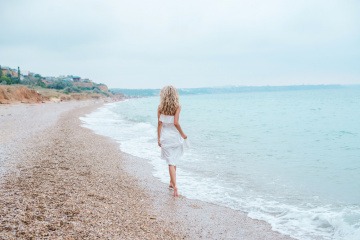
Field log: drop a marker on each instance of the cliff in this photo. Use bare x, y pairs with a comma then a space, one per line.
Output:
12, 94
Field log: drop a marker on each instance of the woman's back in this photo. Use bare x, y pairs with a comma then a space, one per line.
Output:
167, 119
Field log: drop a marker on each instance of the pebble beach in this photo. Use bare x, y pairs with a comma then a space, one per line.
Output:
59, 180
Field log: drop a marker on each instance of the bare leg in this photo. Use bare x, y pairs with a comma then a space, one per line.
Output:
172, 171
170, 184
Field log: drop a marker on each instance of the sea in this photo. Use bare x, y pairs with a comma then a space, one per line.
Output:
289, 156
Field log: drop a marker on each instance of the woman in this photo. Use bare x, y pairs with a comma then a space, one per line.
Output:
170, 135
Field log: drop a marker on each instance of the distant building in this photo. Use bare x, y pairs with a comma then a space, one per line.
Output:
69, 79
76, 78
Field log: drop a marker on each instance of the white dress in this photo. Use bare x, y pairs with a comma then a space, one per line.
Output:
172, 144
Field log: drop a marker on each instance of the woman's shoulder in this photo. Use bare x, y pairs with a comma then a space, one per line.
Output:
178, 110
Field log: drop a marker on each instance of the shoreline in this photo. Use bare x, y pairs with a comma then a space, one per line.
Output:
202, 219
70, 182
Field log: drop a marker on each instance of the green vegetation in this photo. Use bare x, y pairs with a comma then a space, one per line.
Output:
5, 80
59, 84
40, 83
8, 79
32, 81
72, 89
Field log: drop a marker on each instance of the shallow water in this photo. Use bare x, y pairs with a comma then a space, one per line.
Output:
291, 158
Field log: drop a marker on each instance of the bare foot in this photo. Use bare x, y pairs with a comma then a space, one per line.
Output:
176, 194
170, 185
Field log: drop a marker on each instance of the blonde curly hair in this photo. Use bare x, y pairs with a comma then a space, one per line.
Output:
169, 100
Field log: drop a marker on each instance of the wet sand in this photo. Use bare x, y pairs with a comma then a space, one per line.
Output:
59, 180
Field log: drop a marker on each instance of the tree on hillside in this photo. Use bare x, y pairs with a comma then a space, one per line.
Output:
37, 76
40, 83
16, 80
60, 84
0, 72
5, 80
18, 74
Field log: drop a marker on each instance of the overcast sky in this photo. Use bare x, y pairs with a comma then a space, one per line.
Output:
197, 43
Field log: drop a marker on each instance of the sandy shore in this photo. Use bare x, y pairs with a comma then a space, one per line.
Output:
59, 180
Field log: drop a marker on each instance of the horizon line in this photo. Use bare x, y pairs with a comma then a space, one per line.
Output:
252, 86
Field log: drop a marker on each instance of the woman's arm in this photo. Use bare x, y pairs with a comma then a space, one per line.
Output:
159, 128
177, 124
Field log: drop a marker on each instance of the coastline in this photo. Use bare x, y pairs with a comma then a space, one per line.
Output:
64, 180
